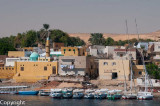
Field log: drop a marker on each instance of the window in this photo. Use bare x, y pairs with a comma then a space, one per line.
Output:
22, 68
72, 62
114, 63
46, 59
140, 73
45, 68
105, 63
91, 67
69, 49
74, 51
121, 55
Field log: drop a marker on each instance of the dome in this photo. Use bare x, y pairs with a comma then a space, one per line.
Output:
34, 56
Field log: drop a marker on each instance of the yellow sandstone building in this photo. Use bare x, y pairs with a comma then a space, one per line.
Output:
116, 69
34, 71
73, 51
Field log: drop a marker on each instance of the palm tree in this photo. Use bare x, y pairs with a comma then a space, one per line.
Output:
46, 26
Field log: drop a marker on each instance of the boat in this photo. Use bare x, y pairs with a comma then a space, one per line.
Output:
101, 94
67, 93
89, 94
10, 89
129, 95
28, 92
56, 93
145, 95
44, 92
78, 94
114, 94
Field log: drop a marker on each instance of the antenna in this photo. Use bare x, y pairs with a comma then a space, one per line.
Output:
137, 29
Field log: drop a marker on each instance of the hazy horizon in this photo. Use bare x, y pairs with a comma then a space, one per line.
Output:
79, 16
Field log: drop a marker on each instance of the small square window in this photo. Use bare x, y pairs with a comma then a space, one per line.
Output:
105, 63
45, 68
22, 68
140, 73
114, 63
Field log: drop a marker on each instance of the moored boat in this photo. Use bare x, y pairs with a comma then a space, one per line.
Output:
145, 96
44, 92
56, 93
89, 94
129, 96
28, 92
78, 94
67, 93
100, 93
114, 94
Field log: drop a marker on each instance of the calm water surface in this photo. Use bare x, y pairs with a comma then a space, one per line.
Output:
47, 101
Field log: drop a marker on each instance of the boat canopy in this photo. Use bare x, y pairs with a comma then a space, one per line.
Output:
6, 87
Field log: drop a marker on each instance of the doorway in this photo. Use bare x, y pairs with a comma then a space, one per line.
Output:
114, 75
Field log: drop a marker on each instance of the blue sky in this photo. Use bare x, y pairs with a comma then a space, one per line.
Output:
79, 16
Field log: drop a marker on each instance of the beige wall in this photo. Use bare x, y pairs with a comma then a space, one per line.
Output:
16, 53
138, 71
7, 72
34, 71
73, 51
121, 66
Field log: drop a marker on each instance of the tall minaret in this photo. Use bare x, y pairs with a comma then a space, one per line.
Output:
47, 47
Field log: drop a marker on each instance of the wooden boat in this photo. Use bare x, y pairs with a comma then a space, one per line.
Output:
67, 93
101, 94
56, 93
114, 94
78, 94
145, 95
28, 92
10, 89
44, 92
129, 96
89, 94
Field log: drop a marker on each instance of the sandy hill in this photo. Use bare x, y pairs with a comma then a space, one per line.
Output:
116, 37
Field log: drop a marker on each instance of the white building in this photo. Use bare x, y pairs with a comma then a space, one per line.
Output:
11, 61
124, 54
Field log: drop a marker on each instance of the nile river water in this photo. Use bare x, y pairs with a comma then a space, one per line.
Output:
47, 101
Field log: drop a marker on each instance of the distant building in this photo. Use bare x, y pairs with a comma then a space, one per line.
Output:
19, 53
33, 71
77, 66
143, 45
101, 51
57, 46
11, 61
125, 54
116, 69
73, 51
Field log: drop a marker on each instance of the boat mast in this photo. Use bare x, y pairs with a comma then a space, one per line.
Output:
137, 29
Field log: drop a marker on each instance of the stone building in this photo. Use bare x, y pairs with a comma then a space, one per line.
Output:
77, 66
73, 51
117, 69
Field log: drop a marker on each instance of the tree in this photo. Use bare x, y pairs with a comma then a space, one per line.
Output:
46, 26
6, 44
97, 39
153, 70
109, 42
30, 39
